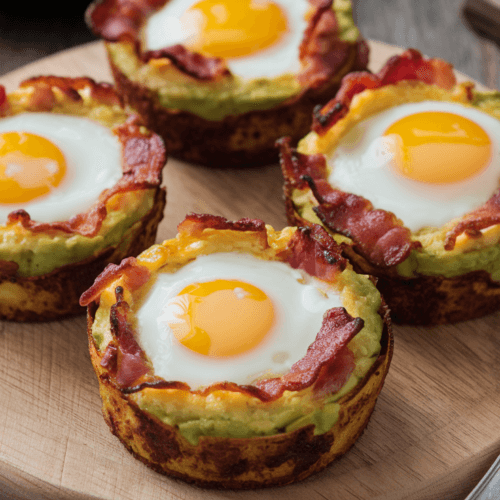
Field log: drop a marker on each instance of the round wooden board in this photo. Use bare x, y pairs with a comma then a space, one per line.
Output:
434, 431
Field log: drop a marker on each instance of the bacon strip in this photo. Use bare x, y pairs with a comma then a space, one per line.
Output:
337, 330
315, 252
472, 223
195, 224
130, 358
135, 275
410, 65
192, 63
378, 235
321, 52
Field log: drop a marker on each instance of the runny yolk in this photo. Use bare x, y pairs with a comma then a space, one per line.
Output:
235, 28
222, 318
439, 147
30, 166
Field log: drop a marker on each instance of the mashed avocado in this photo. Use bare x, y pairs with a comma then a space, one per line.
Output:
40, 253
230, 96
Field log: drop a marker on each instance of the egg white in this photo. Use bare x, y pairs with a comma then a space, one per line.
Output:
361, 165
93, 159
164, 29
299, 309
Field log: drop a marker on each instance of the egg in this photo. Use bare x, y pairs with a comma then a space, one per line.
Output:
55, 166
259, 38
231, 317
427, 162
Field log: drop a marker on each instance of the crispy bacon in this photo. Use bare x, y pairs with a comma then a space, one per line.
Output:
135, 275
315, 252
43, 90
377, 234
130, 358
195, 224
322, 53
143, 153
326, 363
410, 65
337, 330
472, 223
192, 63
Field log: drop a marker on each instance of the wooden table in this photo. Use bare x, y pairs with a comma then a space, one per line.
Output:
433, 434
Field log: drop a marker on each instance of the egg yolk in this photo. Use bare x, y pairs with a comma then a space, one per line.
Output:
30, 166
439, 147
236, 28
222, 317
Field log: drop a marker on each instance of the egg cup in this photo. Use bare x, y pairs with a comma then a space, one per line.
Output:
46, 266
204, 113
273, 431
429, 276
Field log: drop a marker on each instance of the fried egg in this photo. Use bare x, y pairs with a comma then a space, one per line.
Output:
427, 162
55, 166
258, 38
231, 317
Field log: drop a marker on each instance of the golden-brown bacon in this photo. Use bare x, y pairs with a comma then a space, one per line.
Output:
315, 252
192, 63
472, 223
378, 235
195, 224
410, 65
337, 330
135, 275
143, 153
130, 362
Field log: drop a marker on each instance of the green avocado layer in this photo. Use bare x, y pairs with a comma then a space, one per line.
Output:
230, 96
39, 254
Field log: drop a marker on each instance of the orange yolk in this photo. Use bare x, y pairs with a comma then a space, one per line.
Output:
222, 317
440, 147
236, 28
30, 166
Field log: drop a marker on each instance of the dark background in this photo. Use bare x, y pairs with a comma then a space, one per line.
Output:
435, 27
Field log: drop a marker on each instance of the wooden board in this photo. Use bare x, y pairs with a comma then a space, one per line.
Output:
434, 431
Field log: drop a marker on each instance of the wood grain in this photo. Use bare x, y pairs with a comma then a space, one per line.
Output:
434, 431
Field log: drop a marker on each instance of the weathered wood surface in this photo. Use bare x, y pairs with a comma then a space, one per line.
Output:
435, 428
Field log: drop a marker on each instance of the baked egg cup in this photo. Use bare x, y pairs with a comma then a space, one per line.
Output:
276, 429
45, 266
436, 274
209, 115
